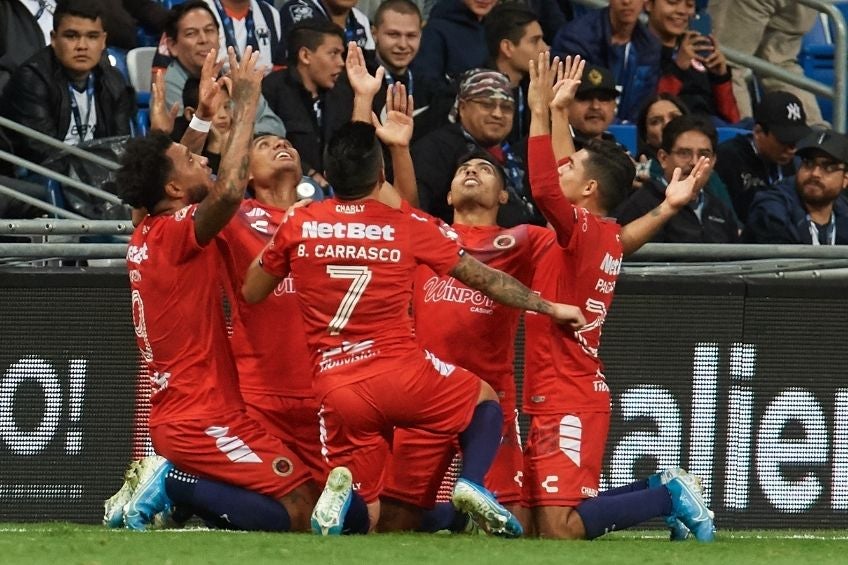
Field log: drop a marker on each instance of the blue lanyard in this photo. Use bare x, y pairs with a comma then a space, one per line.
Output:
390, 80
230, 32
353, 31
82, 126
42, 5
827, 236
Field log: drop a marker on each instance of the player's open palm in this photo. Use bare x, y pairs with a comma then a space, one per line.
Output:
566, 314
680, 192
396, 130
566, 88
246, 75
543, 74
361, 81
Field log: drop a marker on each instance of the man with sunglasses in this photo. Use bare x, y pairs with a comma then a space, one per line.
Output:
807, 208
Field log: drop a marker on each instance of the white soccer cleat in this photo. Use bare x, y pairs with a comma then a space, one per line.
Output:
113, 507
332, 506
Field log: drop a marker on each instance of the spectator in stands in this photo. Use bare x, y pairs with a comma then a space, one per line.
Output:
593, 109
514, 37
552, 15
708, 218
249, 22
806, 209
25, 27
484, 112
122, 18
752, 162
454, 39
772, 30
343, 13
221, 121
693, 66
615, 38
68, 90
657, 111
312, 95
397, 35
192, 32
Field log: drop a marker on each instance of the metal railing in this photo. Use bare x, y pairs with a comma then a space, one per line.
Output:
838, 92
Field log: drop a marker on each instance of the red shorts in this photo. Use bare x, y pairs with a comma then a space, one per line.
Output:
563, 458
295, 422
360, 418
419, 460
232, 449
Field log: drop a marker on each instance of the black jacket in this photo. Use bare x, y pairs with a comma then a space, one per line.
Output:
452, 42
716, 225
288, 98
745, 172
435, 158
777, 215
37, 97
20, 38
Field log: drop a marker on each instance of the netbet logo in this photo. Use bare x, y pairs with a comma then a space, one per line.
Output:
351, 230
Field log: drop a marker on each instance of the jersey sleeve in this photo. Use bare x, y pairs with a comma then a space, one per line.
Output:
274, 258
544, 184
434, 244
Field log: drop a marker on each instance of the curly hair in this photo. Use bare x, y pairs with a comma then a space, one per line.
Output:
145, 169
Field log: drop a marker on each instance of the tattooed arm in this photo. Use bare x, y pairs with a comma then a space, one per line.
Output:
216, 209
506, 290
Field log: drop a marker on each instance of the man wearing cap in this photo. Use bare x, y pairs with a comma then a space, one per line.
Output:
806, 209
483, 115
755, 161
593, 109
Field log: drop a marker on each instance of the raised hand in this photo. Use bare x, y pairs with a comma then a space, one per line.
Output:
680, 192
161, 118
566, 87
715, 62
363, 83
398, 127
210, 86
246, 76
543, 74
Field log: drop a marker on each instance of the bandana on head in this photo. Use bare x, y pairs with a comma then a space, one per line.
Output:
482, 83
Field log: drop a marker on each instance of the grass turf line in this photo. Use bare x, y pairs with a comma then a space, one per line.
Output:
91, 545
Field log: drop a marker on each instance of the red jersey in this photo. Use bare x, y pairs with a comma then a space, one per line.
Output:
178, 315
463, 325
353, 263
269, 339
562, 369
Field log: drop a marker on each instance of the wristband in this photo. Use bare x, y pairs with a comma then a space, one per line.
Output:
199, 125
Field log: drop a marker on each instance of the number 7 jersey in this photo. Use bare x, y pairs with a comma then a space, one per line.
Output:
353, 264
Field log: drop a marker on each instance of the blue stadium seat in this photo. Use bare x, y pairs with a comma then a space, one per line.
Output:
141, 122
118, 59
729, 132
171, 3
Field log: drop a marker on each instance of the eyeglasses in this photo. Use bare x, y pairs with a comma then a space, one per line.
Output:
489, 105
829, 167
689, 153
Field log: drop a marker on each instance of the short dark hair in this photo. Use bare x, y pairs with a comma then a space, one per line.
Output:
311, 34
88, 9
485, 156
613, 170
178, 12
506, 21
145, 169
407, 7
353, 160
681, 124
642, 119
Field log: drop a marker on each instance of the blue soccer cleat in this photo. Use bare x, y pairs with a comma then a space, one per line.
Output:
678, 530
485, 510
332, 506
689, 507
150, 498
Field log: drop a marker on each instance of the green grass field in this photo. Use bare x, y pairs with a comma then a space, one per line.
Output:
90, 545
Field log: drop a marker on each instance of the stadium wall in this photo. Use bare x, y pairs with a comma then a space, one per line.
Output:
741, 380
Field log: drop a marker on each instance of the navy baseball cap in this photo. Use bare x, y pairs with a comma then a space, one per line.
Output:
827, 141
783, 114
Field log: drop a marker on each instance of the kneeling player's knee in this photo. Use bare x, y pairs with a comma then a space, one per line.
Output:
486, 393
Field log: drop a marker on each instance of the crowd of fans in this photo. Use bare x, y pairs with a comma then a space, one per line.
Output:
652, 63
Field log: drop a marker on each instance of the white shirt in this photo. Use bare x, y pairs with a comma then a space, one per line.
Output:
45, 21
72, 137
